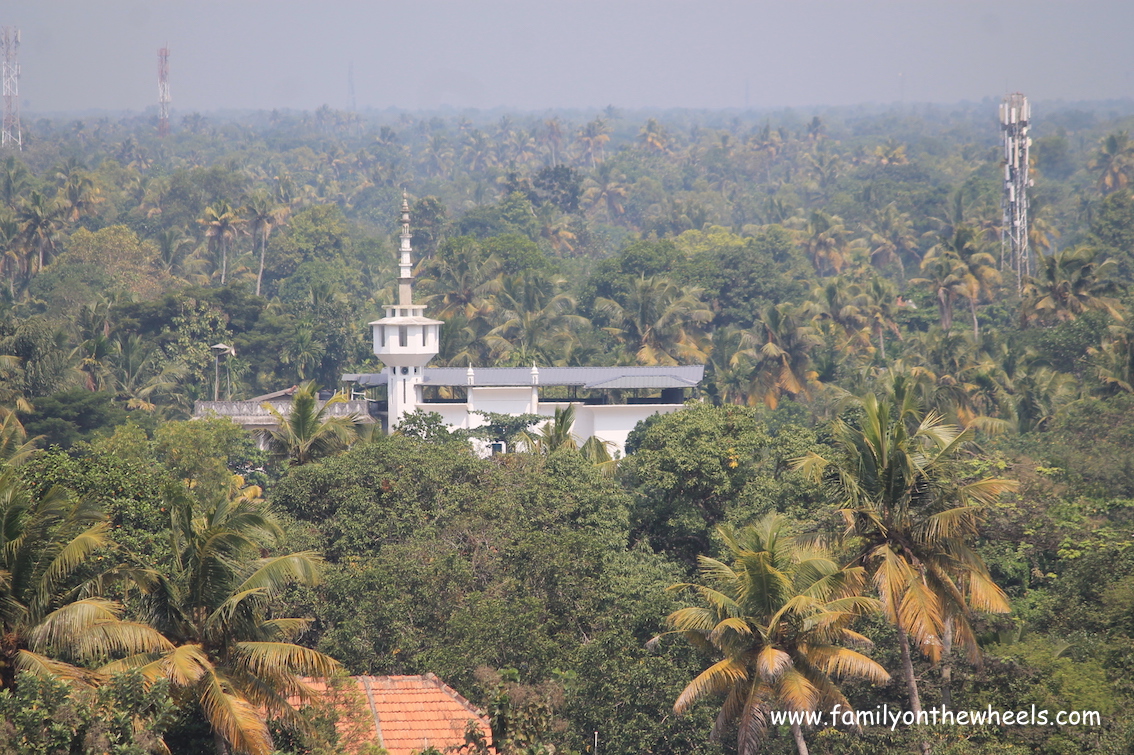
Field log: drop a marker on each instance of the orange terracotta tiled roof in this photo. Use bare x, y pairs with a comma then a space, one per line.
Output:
403, 714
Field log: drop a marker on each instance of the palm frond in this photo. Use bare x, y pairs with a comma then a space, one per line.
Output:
273, 658
714, 680
771, 663
236, 719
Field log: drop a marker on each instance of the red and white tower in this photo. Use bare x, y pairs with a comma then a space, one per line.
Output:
163, 91
10, 75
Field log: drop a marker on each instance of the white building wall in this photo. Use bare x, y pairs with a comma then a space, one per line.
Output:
502, 400
609, 422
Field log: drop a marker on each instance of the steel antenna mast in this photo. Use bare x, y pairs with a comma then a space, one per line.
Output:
10, 74
1015, 116
163, 91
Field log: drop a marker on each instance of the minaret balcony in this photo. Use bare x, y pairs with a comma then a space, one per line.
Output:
406, 341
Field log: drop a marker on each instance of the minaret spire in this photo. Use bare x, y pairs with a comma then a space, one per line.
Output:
405, 339
405, 261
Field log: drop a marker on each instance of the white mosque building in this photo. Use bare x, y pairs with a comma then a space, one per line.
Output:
608, 401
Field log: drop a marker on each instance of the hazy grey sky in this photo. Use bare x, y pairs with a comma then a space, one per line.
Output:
263, 54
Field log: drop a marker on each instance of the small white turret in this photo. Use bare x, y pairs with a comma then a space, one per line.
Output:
405, 339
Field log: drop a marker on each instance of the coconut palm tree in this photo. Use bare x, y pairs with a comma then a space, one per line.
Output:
653, 137
535, 317
843, 304
554, 435
605, 190
461, 283
136, 375
552, 136
731, 362
1114, 162
1069, 283
14, 178
39, 219
944, 275
10, 256
174, 250
228, 654
782, 355
827, 243
308, 432
880, 308
222, 225
263, 215
1113, 361
778, 614
52, 620
592, 137
77, 192
892, 238
912, 514
658, 322
977, 268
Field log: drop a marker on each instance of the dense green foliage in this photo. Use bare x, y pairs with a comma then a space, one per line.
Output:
804, 261
44, 716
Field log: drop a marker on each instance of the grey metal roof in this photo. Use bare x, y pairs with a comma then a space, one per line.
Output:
684, 376
366, 379
645, 381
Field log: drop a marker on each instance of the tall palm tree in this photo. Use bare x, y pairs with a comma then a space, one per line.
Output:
1114, 162
14, 178
782, 355
592, 137
137, 377
903, 498
476, 152
653, 136
605, 191
553, 137
10, 252
977, 268
308, 432
827, 243
779, 613
227, 653
731, 362
39, 218
1113, 361
535, 317
1069, 283
222, 225
658, 322
462, 282
77, 192
842, 303
880, 307
944, 275
892, 238
52, 620
262, 216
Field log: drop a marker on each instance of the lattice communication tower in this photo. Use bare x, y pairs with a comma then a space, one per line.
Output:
350, 87
163, 91
10, 73
1015, 115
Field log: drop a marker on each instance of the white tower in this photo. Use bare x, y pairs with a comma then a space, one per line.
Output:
1015, 114
405, 339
